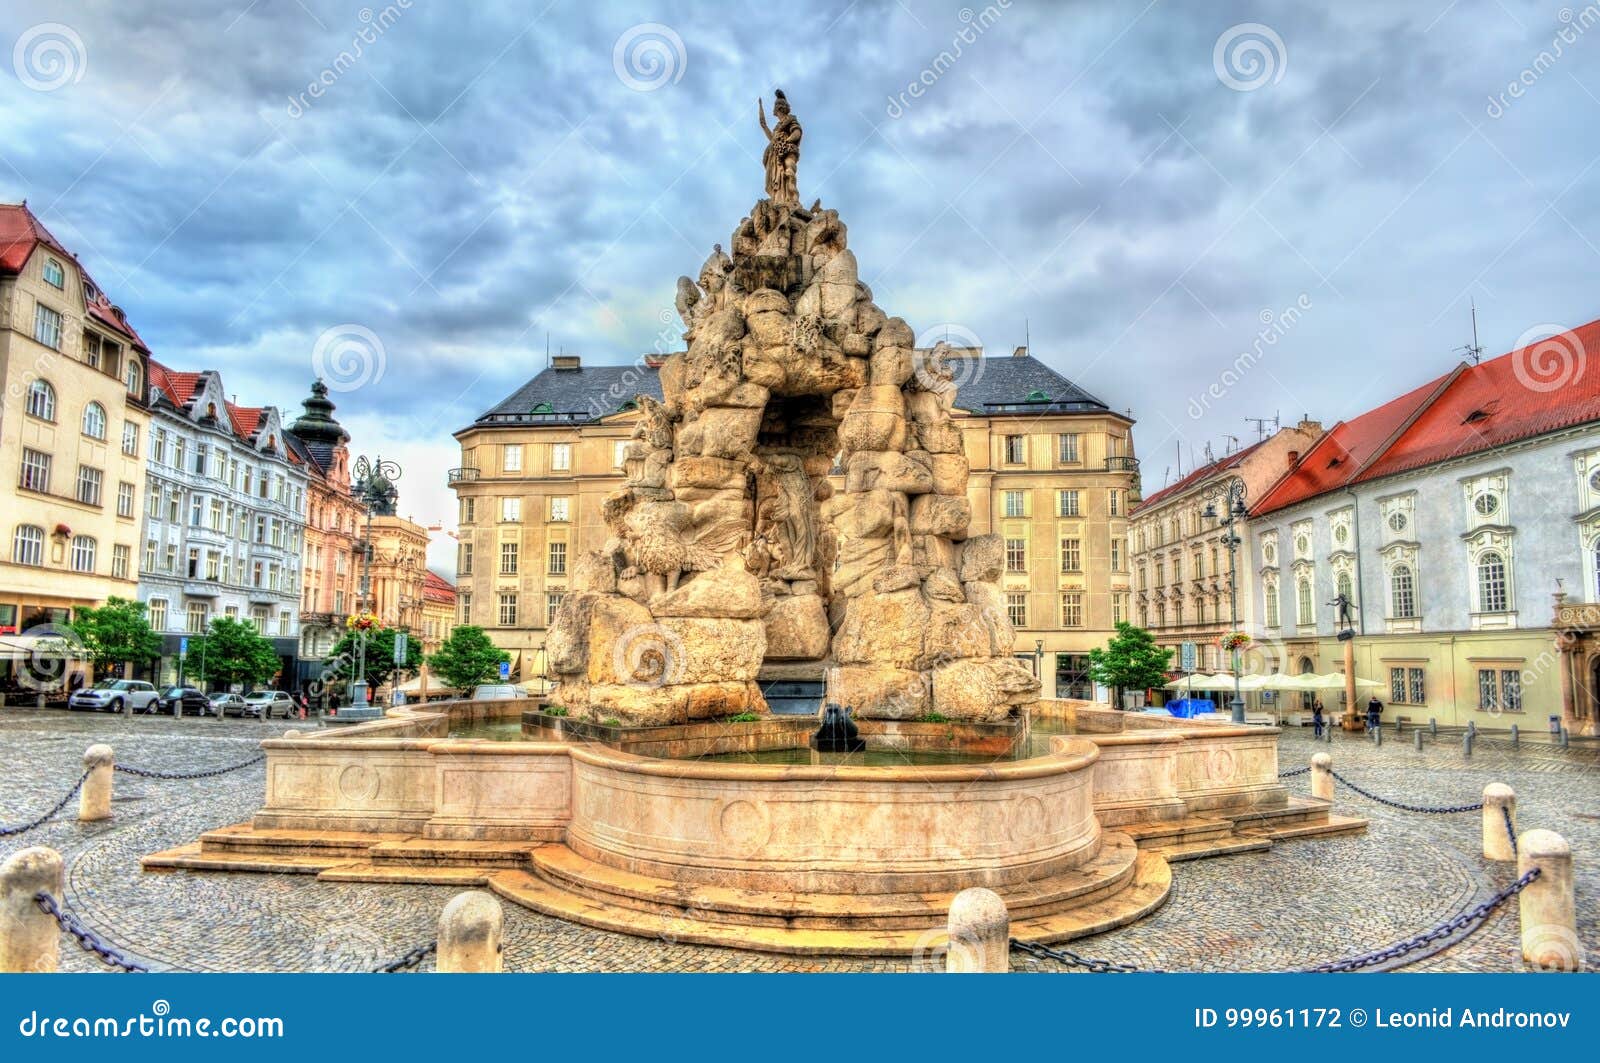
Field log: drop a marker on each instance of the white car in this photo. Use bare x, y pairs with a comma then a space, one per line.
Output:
114, 695
269, 703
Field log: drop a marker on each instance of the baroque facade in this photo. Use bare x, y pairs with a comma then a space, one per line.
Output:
1455, 519
224, 518
72, 434
1051, 469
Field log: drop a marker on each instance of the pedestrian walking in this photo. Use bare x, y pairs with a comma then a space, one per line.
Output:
1374, 712
1316, 719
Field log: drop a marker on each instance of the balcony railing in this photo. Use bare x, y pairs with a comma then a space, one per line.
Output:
1122, 463
464, 474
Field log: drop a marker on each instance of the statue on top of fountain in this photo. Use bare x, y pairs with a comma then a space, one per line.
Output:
781, 158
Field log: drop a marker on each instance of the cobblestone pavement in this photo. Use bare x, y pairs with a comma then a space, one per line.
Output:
1299, 904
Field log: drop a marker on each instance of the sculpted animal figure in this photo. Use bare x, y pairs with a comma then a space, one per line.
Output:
654, 543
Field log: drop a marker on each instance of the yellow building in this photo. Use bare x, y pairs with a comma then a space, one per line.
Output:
399, 573
1052, 471
438, 611
72, 433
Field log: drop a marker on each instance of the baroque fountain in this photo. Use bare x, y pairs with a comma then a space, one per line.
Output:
667, 801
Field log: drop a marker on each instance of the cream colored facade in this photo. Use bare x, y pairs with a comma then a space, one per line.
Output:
438, 612
1180, 558
399, 571
1056, 479
73, 430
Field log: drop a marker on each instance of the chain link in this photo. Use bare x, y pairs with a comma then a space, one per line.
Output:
409, 960
1511, 830
23, 828
87, 939
145, 773
1291, 773
1467, 921
1072, 959
1369, 795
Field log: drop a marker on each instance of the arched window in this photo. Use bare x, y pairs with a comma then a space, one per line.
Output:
1594, 550
1272, 604
27, 545
94, 421
83, 553
1491, 582
42, 400
1302, 607
133, 378
1342, 586
1402, 593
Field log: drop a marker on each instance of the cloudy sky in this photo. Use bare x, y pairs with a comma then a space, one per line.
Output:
1137, 186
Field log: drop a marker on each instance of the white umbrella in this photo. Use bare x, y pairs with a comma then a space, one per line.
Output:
1203, 682
1336, 681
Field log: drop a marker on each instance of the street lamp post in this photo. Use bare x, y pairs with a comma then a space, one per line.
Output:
1232, 497
369, 474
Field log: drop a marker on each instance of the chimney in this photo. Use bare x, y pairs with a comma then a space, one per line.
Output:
1020, 352
567, 363
1294, 458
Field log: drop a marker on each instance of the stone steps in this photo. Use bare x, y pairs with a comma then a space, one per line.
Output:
243, 838
1199, 850
563, 869
193, 857
1332, 825
1176, 831
1151, 882
432, 852
431, 875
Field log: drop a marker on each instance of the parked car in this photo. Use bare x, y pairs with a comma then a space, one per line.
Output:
226, 705
114, 695
497, 692
265, 704
194, 701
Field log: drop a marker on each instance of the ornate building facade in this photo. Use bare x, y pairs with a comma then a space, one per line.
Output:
224, 518
1449, 517
438, 610
1052, 470
73, 428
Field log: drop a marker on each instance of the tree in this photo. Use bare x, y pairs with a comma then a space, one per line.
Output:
231, 651
117, 633
381, 668
1131, 660
467, 658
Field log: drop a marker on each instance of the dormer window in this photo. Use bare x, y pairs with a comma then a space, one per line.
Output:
1474, 417
54, 275
542, 407
1038, 396
1486, 504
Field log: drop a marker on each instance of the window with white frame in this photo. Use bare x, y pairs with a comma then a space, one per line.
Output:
1270, 596
47, 326
1304, 611
552, 602
1071, 555
1491, 580
119, 561
124, 499
511, 510
89, 481
27, 545
619, 453
1072, 609
1017, 608
94, 421
1499, 690
1016, 555
511, 457
508, 610
1016, 450
1067, 503
558, 559
1406, 686
1016, 503
35, 470
54, 275
158, 614
508, 559
1402, 592
41, 400
560, 509
84, 549
561, 457
130, 439
1067, 448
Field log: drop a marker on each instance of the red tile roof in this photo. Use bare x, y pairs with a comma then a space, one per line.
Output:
246, 419
1348, 447
177, 387
435, 588
1536, 389
1230, 461
21, 232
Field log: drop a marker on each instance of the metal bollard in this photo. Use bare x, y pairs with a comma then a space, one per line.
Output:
30, 941
94, 800
1322, 776
1549, 915
1499, 821
1399, 727
1417, 737
1472, 728
1466, 744
1377, 736
1563, 737
1433, 726
469, 935
980, 934
1516, 737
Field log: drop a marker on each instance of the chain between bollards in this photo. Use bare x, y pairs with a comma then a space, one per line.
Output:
409, 960
1072, 959
87, 939
1369, 795
23, 828
145, 773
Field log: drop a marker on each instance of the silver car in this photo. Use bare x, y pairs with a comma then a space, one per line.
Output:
113, 695
226, 705
265, 704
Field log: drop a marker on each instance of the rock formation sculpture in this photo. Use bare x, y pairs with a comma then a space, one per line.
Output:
730, 548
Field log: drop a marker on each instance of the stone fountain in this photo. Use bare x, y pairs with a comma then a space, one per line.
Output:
730, 555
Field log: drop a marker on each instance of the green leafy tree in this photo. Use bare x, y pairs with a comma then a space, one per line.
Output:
381, 668
467, 658
1130, 661
117, 632
231, 651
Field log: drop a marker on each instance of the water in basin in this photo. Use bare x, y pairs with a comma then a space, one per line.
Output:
493, 730
871, 758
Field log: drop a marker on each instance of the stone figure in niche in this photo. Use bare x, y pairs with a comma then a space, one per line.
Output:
687, 299
784, 515
714, 274
781, 158
654, 427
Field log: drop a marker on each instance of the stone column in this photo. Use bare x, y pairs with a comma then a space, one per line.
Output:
469, 935
980, 934
1549, 916
1499, 801
30, 941
1568, 654
1322, 776
1351, 710
94, 800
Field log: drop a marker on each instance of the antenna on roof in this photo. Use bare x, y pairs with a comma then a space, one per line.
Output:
1261, 426
547, 348
1207, 451
1233, 444
1474, 350
1027, 336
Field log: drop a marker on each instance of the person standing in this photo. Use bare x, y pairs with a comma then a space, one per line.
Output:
1374, 712
1316, 719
